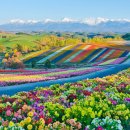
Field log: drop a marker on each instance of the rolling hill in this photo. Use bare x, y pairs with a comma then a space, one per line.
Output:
82, 53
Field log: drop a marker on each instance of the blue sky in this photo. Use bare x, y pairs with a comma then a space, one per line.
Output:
58, 9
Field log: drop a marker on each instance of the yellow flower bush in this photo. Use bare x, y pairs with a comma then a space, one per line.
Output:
30, 114
29, 127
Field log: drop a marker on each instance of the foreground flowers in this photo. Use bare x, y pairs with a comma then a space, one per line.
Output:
96, 104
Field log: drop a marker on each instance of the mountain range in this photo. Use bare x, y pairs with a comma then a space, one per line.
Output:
69, 25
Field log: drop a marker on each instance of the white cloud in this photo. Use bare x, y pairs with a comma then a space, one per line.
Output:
20, 21
32, 21
89, 21
17, 21
49, 20
94, 21
68, 20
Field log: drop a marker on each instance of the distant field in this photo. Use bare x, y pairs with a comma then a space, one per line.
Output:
12, 40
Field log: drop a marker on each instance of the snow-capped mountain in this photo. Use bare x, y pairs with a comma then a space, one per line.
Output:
68, 24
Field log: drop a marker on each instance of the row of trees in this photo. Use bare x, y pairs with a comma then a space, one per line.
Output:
51, 41
54, 41
44, 42
101, 40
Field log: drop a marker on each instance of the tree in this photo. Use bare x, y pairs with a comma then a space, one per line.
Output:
47, 63
83, 40
19, 47
126, 36
33, 63
12, 61
2, 48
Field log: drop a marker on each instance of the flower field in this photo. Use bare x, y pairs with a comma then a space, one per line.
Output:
80, 53
15, 77
95, 104
90, 104
53, 54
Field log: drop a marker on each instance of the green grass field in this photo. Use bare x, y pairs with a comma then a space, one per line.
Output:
25, 40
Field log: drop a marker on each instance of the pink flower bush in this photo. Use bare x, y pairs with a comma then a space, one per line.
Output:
8, 113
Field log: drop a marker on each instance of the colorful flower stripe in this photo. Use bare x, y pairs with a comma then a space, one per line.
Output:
39, 72
74, 51
128, 54
15, 71
106, 62
91, 55
124, 54
89, 52
83, 54
60, 53
113, 61
76, 73
41, 56
57, 59
118, 60
34, 54
98, 55
53, 54
115, 54
77, 53
102, 58
42, 73
23, 79
13, 79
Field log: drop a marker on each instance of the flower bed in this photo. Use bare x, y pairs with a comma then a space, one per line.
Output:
32, 55
84, 54
95, 104
63, 55
80, 53
95, 57
53, 54
77, 53
37, 76
91, 55
72, 53
113, 61
14, 71
62, 52
115, 54
105, 55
